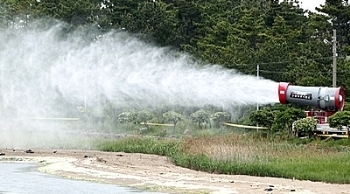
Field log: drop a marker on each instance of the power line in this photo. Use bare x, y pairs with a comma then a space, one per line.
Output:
303, 72
283, 62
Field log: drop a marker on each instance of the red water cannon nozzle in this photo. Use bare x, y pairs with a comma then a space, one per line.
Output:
324, 98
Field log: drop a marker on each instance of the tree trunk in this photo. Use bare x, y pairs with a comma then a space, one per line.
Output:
146, 125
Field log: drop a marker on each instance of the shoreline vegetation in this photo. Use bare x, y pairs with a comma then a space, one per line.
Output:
234, 154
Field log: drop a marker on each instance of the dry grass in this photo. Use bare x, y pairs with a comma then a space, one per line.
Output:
244, 149
234, 154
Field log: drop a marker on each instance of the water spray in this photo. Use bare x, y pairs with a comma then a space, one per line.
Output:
44, 73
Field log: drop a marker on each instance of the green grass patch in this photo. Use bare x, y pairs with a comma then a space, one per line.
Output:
141, 145
233, 154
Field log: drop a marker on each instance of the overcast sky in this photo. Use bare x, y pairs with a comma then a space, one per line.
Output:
311, 4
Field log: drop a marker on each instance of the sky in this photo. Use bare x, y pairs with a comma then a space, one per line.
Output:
311, 4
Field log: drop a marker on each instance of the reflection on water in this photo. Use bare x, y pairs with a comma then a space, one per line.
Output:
22, 178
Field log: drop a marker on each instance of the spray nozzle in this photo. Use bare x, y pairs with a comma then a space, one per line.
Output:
324, 98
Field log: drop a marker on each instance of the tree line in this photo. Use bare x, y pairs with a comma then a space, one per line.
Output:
288, 43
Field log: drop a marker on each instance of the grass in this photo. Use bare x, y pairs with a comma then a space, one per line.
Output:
238, 154
141, 145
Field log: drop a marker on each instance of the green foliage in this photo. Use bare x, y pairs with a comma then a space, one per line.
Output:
307, 125
339, 119
288, 45
285, 119
201, 117
219, 117
277, 117
140, 145
143, 117
347, 107
173, 117
256, 157
264, 117
126, 117
339, 13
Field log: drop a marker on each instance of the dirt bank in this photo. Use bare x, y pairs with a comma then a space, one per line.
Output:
158, 173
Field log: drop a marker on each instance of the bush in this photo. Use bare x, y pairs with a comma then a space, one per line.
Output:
305, 125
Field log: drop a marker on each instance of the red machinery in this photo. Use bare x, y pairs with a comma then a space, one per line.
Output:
326, 100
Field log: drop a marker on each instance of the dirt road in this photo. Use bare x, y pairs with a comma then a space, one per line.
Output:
157, 173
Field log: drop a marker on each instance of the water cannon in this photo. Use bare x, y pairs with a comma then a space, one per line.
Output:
323, 98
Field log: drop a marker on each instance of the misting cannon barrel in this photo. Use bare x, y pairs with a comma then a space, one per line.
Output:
324, 98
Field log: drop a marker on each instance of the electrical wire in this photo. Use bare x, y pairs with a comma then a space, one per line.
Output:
284, 62
302, 73
293, 73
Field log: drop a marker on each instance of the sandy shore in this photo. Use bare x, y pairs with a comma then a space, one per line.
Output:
158, 173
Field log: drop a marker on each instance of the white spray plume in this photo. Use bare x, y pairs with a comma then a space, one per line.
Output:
38, 67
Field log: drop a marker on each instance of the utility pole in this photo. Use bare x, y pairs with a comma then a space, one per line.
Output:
334, 49
85, 87
257, 103
257, 77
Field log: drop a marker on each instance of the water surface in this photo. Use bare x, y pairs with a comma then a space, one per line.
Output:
18, 178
